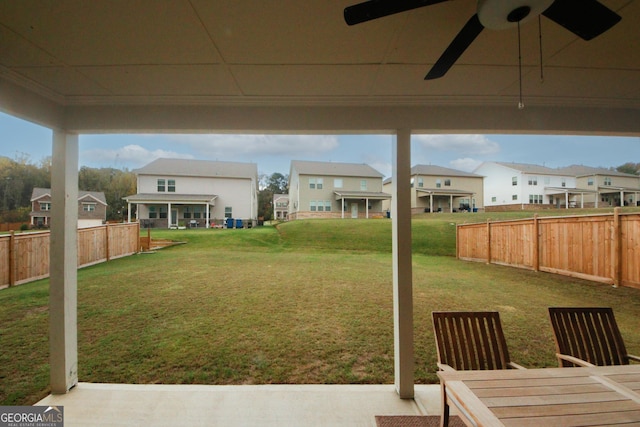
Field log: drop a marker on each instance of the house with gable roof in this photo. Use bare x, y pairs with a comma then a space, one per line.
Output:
517, 186
440, 189
335, 190
92, 208
195, 193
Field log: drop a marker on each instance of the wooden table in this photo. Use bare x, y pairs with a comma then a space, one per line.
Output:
546, 397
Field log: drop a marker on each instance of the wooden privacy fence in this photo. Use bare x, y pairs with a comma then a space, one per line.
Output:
603, 248
24, 257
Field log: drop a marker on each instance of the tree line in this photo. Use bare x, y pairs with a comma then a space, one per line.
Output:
19, 176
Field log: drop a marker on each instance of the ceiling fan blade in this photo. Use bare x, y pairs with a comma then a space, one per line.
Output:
374, 9
585, 18
463, 40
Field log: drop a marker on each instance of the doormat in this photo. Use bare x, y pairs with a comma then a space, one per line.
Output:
415, 421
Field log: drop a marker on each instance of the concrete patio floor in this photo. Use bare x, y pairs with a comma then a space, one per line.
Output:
90, 404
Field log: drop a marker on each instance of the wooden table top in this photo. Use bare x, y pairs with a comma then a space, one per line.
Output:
598, 396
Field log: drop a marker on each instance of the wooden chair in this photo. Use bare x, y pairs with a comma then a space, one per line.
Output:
588, 337
469, 341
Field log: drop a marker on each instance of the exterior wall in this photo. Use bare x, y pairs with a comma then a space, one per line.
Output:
85, 218
301, 195
613, 198
240, 194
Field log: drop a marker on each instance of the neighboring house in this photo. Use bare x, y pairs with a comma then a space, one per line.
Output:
196, 193
440, 189
335, 190
280, 206
612, 188
92, 208
511, 186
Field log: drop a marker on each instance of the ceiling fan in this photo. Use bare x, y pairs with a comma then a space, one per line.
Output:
585, 18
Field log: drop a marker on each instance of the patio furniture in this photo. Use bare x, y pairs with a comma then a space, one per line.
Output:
582, 396
469, 341
588, 336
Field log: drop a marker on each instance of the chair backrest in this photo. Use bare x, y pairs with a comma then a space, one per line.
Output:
590, 334
470, 340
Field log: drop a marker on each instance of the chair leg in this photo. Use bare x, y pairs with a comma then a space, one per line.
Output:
444, 419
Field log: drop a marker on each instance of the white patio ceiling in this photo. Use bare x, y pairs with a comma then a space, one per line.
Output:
295, 66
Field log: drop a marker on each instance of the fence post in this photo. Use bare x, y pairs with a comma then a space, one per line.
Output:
535, 243
616, 248
106, 242
488, 241
12, 258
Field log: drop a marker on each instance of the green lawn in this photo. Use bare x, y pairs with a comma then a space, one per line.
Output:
303, 302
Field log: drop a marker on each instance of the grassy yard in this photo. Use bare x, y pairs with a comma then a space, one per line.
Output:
303, 302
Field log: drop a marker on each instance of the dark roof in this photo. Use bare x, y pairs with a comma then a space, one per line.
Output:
433, 170
97, 195
201, 168
334, 169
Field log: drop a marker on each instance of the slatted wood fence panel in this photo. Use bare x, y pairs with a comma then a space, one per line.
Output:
603, 248
25, 257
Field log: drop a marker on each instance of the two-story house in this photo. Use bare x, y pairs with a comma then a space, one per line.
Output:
280, 207
440, 189
92, 208
195, 193
510, 186
335, 190
607, 187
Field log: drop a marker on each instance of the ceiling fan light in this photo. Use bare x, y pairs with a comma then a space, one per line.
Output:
494, 14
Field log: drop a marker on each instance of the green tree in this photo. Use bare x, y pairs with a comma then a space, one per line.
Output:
276, 183
629, 167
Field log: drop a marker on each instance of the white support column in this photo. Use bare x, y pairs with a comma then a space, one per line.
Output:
63, 287
431, 203
450, 203
128, 212
343, 208
169, 219
366, 207
402, 268
208, 215
566, 200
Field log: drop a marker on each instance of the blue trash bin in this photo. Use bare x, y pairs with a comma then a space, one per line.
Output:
238, 223
229, 222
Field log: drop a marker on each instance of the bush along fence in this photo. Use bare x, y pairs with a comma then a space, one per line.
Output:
24, 257
603, 248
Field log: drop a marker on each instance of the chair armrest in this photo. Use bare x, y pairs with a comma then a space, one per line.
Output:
574, 360
632, 357
445, 367
514, 365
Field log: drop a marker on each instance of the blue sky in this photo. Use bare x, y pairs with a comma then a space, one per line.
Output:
273, 153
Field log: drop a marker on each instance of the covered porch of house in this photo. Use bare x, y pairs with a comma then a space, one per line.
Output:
361, 204
80, 67
561, 197
434, 199
171, 211
160, 405
617, 196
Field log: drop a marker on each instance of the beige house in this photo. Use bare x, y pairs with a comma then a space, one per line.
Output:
280, 206
335, 190
440, 189
607, 187
92, 208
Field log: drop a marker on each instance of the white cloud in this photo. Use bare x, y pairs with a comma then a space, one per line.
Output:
254, 146
466, 164
133, 155
465, 144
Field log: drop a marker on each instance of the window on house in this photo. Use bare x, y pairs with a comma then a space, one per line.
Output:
228, 212
564, 182
607, 180
447, 183
590, 181
45, 206
337, 183
363, 185
514, 197
161, 185
153, 213
420, 182
438, 183
327, 205
494, 199
88, 207
312, 206
171, 185
197, 212
533, 180
319, 183
163, 212
187, 213
412, 180
514, 180
312, 183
